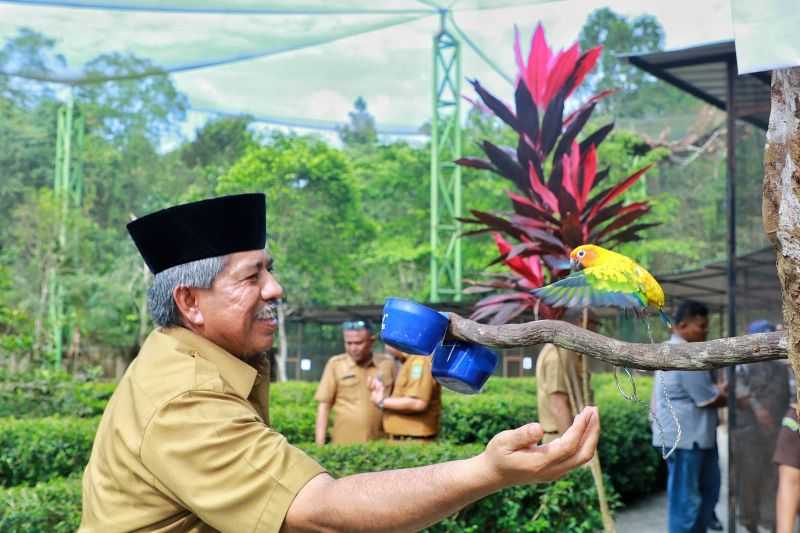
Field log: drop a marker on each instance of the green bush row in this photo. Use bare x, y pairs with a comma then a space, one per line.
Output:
565, 505
625, 451
33, 450
50, 397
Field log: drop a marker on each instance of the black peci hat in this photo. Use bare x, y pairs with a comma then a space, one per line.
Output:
198, 230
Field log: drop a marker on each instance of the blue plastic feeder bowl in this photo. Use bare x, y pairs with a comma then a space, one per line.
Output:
411, 327
463, 367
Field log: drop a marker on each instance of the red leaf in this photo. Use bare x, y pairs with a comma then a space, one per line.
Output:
538, 62
615, 210
566, 176
589, 172
499, 108
474, 162
622, 219
533, 205
564, 65
630, 233
509, 312
544, 193
594, 99
618, 189
585, 64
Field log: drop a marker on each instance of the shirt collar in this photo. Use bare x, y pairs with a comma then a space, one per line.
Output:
238, 374
353, 364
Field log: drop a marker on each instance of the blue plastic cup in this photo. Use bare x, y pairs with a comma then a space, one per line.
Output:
411, 327
463, 366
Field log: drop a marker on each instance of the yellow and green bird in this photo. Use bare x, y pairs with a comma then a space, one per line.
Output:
605, 279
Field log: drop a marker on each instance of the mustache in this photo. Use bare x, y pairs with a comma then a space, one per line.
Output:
269, 311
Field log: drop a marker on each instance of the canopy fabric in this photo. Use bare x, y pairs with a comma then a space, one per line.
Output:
269, 47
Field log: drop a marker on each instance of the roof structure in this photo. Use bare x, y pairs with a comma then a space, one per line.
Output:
757, 284
702, 71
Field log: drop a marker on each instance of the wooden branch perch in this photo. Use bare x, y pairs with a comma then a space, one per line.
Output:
694, 356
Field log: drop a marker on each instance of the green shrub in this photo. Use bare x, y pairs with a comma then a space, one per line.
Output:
478, 418
295, 423
44, 393
626, 452
40, 449
54, 506
565, 505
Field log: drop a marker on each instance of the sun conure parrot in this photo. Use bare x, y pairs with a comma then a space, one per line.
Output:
605, 279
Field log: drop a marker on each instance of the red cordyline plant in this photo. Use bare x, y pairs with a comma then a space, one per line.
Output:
562, 199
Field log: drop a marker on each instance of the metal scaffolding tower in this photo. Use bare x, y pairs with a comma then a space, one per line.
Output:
446, 280
68, 188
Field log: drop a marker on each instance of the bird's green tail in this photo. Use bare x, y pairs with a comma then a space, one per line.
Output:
664, 318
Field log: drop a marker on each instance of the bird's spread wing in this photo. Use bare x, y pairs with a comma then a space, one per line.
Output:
595, 287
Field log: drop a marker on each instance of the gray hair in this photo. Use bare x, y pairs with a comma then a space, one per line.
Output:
199, 274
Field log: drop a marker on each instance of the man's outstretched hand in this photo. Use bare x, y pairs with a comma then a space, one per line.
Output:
514, 457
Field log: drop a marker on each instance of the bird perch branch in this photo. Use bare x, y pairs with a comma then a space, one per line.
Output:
694, 356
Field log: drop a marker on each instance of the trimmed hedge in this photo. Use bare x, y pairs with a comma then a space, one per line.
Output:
558, 506
626, 455
36, 450
39, 449
51, 394
54, 506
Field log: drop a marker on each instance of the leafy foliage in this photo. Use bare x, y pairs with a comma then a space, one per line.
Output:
560, 506
38, 449
562, 204
313, 204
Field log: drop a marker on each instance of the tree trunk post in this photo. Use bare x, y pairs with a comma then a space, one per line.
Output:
781, 199
283, 342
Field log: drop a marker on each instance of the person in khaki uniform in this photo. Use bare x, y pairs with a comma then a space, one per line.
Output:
557, 369
344, 388
413, 410
552, 371
185, 442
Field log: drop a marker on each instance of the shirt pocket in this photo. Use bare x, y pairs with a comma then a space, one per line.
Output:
347, 381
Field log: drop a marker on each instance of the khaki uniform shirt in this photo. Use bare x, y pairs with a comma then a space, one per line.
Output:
552, 368
415, 380
345, 386
185, 445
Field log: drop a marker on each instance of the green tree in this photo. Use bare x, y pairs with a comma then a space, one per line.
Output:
639, 93
217, 146
316, 225
360, 131
126, 108
394, 184
28, 53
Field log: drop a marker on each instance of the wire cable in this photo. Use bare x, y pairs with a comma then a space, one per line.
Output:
475, 48
231, 10
314, 124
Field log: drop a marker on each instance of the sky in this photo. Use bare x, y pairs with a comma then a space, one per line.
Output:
310, 71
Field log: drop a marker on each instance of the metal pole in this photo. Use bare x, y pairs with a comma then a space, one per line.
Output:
445, 174
731, 208
435, 172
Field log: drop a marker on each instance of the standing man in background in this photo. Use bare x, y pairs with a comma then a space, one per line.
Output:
693, 476
556, 369
344, 388
413, 410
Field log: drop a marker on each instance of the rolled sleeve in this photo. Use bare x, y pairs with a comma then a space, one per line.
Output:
421, 387
326, 391
699, 387
216, 457
553, 377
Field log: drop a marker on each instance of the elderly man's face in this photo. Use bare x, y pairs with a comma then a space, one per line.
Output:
358, 343
237, 309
